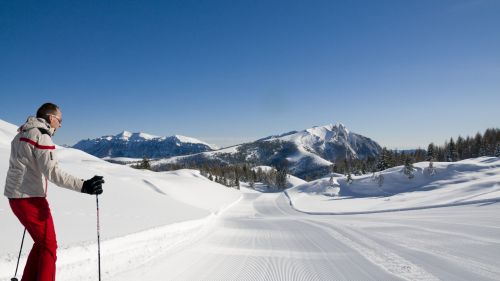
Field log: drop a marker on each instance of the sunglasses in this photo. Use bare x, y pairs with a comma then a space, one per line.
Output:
58, 119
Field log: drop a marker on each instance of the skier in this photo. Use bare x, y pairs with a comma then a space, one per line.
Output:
32, 163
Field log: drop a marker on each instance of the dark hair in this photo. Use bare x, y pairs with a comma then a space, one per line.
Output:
46, 109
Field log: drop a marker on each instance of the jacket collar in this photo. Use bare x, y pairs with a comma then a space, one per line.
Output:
34, 122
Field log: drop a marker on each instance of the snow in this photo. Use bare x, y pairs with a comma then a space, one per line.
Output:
263, 238
263, 168
175, 159
294, 181
185, 139
180, 226
126, 135
122, 159
140, 136
133, 200
6, 133
231, 149
317, 160
310, 140
454, 183
311, 136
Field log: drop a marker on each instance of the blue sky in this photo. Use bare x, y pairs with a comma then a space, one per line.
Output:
404, 73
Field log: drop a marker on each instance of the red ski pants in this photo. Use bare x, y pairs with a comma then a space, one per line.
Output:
34, 214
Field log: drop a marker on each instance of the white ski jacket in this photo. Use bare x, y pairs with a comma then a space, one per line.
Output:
32, 158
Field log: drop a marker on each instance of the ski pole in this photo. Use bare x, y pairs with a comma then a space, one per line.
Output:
98, 237
19, 257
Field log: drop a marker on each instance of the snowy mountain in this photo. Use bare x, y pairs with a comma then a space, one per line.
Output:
305, 153
138, 145
331, 142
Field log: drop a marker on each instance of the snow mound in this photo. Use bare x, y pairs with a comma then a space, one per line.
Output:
133, 200
462, 182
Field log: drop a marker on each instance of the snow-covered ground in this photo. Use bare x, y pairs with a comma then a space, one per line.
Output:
263, 238
181, 226
457, 183
133, 201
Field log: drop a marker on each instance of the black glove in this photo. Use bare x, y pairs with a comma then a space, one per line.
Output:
93, 185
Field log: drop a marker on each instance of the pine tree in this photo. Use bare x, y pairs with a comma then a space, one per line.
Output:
497, 152
452, 151
478, 140
364, 168
237, 183
254, 176
430, 152
383, 160
246, 174
281, 178
143, 165
349, 178
332, 168
460, 148
431, 170
419, 155
483, 149
409, 168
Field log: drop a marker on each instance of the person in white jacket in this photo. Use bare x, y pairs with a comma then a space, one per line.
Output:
32, 164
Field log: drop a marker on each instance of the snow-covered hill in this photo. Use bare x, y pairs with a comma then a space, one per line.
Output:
452, 183
133, 201
309, 152
138, 145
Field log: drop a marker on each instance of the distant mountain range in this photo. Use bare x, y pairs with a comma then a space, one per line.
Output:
138, 145
305, 153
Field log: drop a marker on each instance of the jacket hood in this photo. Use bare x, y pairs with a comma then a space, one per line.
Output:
34, 122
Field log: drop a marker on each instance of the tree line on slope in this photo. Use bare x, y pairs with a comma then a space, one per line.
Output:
487, 144
230, 175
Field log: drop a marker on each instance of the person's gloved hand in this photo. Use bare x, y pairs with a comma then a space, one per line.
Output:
93, 185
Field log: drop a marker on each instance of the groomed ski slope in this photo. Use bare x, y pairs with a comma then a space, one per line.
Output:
263, 238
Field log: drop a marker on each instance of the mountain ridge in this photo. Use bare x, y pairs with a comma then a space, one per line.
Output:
140, 144
310, 152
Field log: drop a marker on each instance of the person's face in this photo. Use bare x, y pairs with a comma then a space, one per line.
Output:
56, 120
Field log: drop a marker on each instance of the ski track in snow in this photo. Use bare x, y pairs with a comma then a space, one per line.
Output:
475, 267
261, 237
79, 262
130, 252
378, 254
